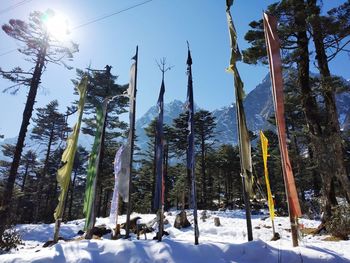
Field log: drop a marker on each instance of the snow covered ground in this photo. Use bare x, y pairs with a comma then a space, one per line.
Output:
226, 243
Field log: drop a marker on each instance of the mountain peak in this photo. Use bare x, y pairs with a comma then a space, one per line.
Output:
176, 102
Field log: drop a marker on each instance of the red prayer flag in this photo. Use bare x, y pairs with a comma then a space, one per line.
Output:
273, 53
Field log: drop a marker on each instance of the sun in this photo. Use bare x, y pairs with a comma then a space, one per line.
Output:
56, 25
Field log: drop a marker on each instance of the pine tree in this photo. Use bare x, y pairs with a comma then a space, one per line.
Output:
179, 144
150, 160
49, 128
102, 85
29, 162
331, 132
41, 48
295, 21
204, 134
179, 182
145, 183
28, 172
8, 151
229, 185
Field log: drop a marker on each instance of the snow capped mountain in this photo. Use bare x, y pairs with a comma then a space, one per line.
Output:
171, 111
258, 107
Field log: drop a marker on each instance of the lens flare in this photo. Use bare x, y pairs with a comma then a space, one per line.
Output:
57, 26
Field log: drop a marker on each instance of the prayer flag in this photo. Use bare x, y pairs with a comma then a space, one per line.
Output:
190, 141
273, 52
264, 144
158, 202
92, 171
113, 214
64, 173
243, 134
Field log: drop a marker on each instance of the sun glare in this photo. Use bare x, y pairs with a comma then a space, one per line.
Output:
57, 26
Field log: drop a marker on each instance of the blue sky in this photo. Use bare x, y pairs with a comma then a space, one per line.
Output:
160, 28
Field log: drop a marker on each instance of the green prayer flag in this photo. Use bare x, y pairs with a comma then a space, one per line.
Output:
90, 189
243, 134
64, 173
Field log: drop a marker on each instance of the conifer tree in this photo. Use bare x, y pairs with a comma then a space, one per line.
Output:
29, 162
49, 128
8, 151
204, 134
295, 21
179, 142
39, 46
331, 132
102, 85
229, 186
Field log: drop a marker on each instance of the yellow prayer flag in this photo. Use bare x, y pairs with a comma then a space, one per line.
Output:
264, 144
64, 173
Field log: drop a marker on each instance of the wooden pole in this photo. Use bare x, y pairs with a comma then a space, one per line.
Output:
243, 175
190, 150
132, 131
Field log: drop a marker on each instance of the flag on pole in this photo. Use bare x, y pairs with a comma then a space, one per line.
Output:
243, 134
130, 145
264, 144
159, 150
64, 173
126, 157
113, 214
131, 94
92, 171
190, 141
121, 183
124, 174
273, 52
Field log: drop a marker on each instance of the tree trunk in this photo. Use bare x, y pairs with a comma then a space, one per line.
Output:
154, 173
99, 203
72, 195
324, 146
316, 180
53, 200
25, 177
332, 194
27, 114
20, 200
105, 203
226, 189
187, 188
42, 179
219, 191
165, 165
310, 107
203, 169
332, 129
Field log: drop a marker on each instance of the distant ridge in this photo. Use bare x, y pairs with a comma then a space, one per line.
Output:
258, 108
